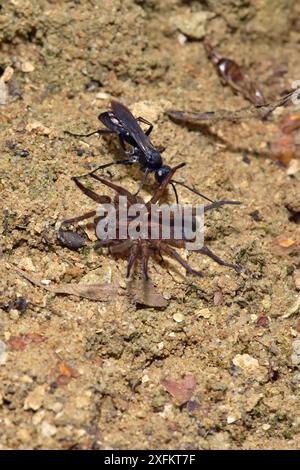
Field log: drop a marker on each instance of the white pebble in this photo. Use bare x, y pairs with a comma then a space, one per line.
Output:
178, 317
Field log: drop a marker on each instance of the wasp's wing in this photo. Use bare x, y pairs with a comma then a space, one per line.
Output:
129, 123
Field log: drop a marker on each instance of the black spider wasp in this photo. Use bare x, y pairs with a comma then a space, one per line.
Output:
119, 120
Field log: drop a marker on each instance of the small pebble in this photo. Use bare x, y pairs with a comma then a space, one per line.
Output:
3, 353
293, 168
218, 298
266, 427
35, 398
233, 417
55, 406
204, 312
26, 264
178, 317
263, 321
102, 96
14, 314
27, 67
145, 379
295, 357
38, 128
246, 362
47, 429
182, 39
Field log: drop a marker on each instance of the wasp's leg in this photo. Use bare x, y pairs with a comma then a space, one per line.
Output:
144, 121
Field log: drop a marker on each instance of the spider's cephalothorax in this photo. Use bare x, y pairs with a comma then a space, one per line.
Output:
141, 249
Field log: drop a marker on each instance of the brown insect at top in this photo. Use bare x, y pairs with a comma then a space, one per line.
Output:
233, 74
142, 248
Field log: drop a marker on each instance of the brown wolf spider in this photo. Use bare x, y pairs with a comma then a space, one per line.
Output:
142, 249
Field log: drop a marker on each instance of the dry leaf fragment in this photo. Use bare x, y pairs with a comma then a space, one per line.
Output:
218, 297
19, 343
182, 390
102, 292
283, 148
66, 370
38, 128
290, 123
144, 292
286, 242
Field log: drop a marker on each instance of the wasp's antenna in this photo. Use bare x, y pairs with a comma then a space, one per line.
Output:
175, 191
192, 189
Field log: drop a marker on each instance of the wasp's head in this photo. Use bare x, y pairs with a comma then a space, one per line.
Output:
162, 173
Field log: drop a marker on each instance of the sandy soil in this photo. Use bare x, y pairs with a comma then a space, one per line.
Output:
81, 374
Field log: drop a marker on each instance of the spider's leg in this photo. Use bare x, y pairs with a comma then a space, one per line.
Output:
118, 189
107, 165
161, 256
132, 258
87, 215
145, 258
143, 181
171, 252
104, 243
217, 204
121, 246
91, 194
162, 187
206, 251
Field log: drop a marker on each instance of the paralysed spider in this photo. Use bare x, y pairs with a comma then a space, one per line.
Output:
141, 249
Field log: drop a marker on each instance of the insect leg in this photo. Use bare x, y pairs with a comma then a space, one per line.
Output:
192, 190
90, 193
217, 204
145, 258
171, 252
122, 143
132, 258
99, 132
206, 251
87, 215
175, 191
144, 121
107, 165
147, 171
